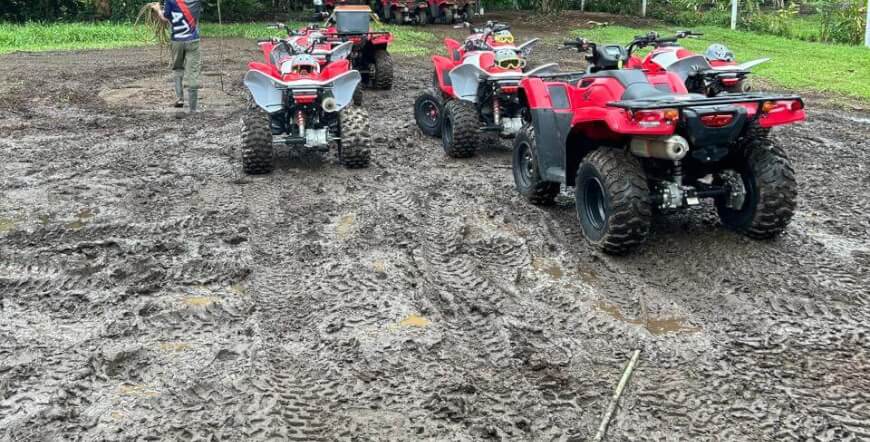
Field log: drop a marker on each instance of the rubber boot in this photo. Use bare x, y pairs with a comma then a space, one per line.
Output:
193, 100
179, 92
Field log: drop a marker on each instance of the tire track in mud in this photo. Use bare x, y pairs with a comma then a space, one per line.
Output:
417, 299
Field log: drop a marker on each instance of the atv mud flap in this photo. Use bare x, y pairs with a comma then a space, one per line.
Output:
551, 134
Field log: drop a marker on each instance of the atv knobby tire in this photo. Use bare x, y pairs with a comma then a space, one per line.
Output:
383, 78
429, 112
459, 128
613, 200
771, 191
527, 175
257, 150
354, 150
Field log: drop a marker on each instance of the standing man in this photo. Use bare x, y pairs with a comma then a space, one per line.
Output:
183, 19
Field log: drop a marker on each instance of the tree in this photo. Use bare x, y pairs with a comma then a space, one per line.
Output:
103, 8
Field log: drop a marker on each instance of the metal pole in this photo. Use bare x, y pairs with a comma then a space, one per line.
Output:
734, 14
867, 27
643, 8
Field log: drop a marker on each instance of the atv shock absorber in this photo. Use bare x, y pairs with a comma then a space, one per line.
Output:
678, 172
300, 122
496, 111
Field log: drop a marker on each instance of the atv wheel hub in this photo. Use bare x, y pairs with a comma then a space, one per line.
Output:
595, 210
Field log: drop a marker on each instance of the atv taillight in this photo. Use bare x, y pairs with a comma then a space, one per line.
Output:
774, 106
304, 99
509, 89
655, 118
717, 120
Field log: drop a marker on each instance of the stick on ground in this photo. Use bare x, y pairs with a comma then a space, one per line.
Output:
614, 401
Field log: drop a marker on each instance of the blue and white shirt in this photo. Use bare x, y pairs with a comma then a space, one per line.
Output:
184, 18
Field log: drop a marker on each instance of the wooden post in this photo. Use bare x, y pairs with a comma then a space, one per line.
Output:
643, 8
733, 14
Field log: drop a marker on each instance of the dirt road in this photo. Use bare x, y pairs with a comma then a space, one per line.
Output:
149, 291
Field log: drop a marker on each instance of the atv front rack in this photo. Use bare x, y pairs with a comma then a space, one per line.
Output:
568, 76
669, 102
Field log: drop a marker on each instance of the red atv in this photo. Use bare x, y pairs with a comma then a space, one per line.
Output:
313, 39
633, 142
476, 89
370, 55
423, 12
303, 102
711, 74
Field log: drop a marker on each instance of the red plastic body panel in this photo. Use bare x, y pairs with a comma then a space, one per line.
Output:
267, 69
382, 39
443, 65
335, 68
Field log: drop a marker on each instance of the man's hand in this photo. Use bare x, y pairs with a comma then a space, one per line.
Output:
156, 7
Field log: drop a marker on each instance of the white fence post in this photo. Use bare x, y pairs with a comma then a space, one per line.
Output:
643, 8
867, 27
734, 14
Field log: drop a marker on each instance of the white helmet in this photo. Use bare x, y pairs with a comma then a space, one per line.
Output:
718, 52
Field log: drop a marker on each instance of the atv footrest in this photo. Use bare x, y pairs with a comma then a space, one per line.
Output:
491, 129
289, 140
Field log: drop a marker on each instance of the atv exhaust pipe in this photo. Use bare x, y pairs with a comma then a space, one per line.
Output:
672, 148
329, 104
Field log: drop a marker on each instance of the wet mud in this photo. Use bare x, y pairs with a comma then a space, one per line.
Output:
151, 291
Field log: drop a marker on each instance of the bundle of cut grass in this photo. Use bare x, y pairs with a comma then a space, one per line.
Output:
151, 18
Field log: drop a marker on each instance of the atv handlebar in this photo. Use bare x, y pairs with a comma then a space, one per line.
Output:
653, 38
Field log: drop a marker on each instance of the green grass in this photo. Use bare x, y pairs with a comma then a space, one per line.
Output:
795, 65
68, 36
33, 37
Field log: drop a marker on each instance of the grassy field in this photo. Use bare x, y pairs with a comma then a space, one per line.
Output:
33, 37
798, 65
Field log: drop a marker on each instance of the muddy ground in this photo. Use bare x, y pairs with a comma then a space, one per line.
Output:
150, 291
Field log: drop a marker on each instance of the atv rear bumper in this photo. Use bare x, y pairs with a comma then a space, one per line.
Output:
678, 103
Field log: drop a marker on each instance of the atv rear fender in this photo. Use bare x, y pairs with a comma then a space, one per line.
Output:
443, 65
268, 91
382, 40
466, 78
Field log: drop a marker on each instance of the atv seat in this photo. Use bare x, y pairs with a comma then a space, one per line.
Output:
635, 83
